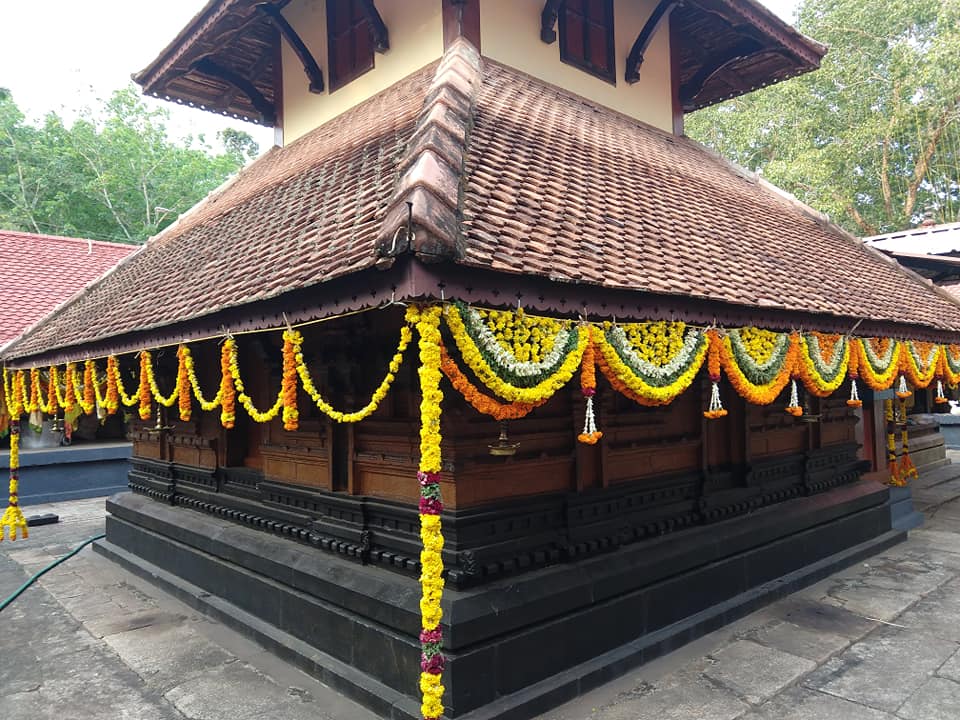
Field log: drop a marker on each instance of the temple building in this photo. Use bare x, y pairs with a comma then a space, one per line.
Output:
487, 384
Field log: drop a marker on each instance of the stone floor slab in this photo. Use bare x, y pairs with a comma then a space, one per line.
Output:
937, 699
883, 670
815, 645
951, 668
802, 704
682, 696
755, 672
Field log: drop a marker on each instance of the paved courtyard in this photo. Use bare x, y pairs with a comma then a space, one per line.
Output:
878, 641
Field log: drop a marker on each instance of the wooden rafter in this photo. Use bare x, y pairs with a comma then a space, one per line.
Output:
718, 63
378, 30
656, 19
548, 21
208, 66
310, 66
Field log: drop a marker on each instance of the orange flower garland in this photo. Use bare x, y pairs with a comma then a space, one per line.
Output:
588, 386
89, 396
877, 378
480, 402
228, 393
183, 384
112, 400
853, 372
291, 346
716, 409
69, 396
759, 394
144, 393
53, 390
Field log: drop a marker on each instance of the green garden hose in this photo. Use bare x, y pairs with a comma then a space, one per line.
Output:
47, 569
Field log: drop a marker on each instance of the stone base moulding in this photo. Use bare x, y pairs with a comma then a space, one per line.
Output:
355, 626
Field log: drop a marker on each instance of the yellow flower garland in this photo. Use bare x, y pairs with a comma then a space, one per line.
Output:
474, 360
13, 519
245, 400
431, 560
758, 394
406, 335
813, 381
622, 376
877, 379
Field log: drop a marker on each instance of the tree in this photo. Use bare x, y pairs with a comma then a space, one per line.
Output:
113, 174
873, 137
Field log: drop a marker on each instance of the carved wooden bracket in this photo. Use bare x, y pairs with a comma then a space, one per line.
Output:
548, 21
656, 19
310, 67
378, 30
207, 66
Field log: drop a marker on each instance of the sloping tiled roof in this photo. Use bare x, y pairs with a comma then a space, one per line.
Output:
39, 272
560, 187
298, 216
508, 174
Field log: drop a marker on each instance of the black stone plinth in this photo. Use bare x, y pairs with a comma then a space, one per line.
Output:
517, 646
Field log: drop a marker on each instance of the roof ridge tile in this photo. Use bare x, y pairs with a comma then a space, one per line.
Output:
431, 169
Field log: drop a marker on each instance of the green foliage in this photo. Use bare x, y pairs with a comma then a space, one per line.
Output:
873, 137
113, 175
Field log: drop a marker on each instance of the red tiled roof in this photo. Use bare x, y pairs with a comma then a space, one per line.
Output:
39, 272
509, 174
559, 187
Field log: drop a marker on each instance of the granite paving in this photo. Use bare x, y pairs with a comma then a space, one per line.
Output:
877, 641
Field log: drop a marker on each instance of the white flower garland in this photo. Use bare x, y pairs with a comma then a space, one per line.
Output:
677, 363
831, 367
878, 364
503, 357
924, 367
752, 366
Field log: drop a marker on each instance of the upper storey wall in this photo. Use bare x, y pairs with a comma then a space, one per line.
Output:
416, 39
510, 32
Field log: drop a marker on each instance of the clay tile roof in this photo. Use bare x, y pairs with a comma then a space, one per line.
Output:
39, 272
557, 186
507, 174
300, 215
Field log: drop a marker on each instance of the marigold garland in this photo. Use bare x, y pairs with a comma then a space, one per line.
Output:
292, 340
245, 400
53, 388
645, 382
166, 400
184, 404
823, 363
919, 362
227, 394
431, 505
550, 380
588, 387
878, 361
891, 444
480, 402
144, 393
906, 470
13, 519
716, 409
406, 335
768, 380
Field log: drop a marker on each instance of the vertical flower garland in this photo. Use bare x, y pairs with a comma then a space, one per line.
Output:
891, 444
853, 371
69, 388
144, 391
228, 393
588, 386
431, 505
716, 409
13, 518
184, 404
53, 390
906, 470
292, 340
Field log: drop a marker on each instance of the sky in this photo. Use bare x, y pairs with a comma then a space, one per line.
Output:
63, 55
